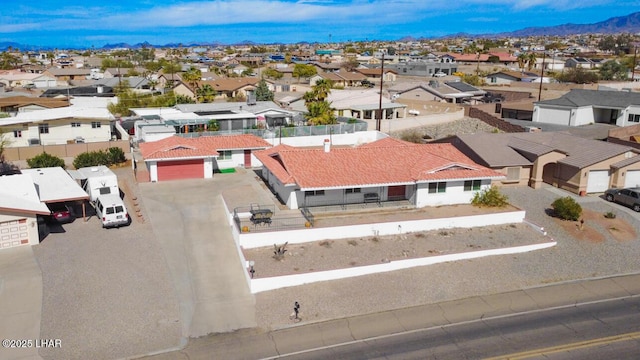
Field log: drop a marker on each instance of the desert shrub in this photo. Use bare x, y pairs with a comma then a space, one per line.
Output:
491, 197
45, 160
610, 215
413, 136
116, 155
566, 208
113, 155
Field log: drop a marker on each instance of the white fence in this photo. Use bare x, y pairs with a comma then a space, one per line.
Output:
272, 283
254, 240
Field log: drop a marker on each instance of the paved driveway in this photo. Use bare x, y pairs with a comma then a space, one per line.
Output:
191, 224
106, 292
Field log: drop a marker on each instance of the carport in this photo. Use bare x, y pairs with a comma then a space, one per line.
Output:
55, 185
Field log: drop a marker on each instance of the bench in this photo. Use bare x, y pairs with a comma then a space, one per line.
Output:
371, 198
261, 216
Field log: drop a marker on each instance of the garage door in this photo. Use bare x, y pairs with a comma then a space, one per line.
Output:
183, 169
632, 178
598, 181
13, 233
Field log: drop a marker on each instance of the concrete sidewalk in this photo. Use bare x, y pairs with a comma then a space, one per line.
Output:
20, 301
254, 344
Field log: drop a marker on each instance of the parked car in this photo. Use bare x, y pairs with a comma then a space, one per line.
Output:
439, 74
111, 211
367, 83
629, 197
60, 212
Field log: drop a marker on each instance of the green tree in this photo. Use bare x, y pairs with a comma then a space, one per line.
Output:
193, 77
304, 71
262, 92
45, 160
8, 61
613, 70
578, 75
171, 68
350, 64
531, 60
319, 111
6, 167
213, 125
272, 73
522, 61
206, 94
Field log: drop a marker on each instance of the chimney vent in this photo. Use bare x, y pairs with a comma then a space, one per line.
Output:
327, 145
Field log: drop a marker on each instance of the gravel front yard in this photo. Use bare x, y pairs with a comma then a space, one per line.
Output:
571, 259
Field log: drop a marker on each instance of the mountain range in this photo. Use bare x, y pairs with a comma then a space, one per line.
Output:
615, 25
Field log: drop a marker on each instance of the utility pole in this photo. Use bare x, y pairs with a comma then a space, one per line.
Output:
544, 53
633, 67
379, 120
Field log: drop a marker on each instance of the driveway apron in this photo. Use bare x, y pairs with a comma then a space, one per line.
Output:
190, 222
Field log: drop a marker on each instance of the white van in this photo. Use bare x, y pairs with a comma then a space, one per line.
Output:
111, 211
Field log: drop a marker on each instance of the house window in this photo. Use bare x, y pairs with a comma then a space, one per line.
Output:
314, 193
43, 128
352, 191
494, 80
634, 117
17, 133
75, 124
472, 185
438, 187
513, 174
224, 155
96, 125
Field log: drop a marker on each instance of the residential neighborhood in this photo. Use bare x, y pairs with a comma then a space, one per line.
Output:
192, 198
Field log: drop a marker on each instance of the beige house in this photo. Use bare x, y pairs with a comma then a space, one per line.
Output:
566, 161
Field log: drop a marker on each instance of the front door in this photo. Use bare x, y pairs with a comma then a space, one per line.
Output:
247, 158
396, 192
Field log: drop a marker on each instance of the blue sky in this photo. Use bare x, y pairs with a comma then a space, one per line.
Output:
69, 23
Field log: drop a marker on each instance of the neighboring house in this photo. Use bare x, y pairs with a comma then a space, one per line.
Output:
232, 87
123, 72
80, 91
134, 82
582, 107
579, 62
19, 208
360, 104
63, 76
26, 79
340, 78
176, 157
507, 77
19, 104
384, 170
86, 120
420, 68
456, 92
566, 161
389, 75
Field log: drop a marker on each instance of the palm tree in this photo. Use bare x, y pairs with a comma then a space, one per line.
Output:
531, 60
171, 68
206, 94
322, 88
522, 61
193, 76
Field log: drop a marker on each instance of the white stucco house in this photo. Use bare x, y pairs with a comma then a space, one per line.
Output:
582, 107
380, 171
19, 208
86, 120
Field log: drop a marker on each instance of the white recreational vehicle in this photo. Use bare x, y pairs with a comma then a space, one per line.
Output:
96, 181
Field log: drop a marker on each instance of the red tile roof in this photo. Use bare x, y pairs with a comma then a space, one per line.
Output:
177, 147
386, 161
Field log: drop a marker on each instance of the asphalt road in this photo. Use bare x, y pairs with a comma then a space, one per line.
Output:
607, 329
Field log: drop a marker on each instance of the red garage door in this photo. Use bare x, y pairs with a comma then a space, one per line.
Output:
181, 169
